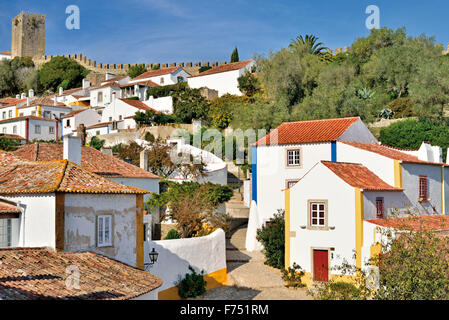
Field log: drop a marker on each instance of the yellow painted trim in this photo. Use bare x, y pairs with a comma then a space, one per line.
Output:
17, 112
39, 111
397, 174
307, 278
213, 280
358, 226
139, 231
287, 229
442, 190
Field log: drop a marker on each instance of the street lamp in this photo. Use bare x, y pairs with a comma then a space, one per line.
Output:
153, 258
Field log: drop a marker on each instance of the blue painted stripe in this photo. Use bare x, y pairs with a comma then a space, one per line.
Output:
254, 172
334, 151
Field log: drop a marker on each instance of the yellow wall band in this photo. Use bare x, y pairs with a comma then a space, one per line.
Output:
358, 226
139, 231
397, 174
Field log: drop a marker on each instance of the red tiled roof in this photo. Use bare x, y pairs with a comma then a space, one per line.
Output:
224, 68
14, 103
18, 176
44, 101
91, 159
138, 104
73, 113
389, 152
436, 222
326, 130
6, 52
7, 208
358, 176
12, 136
40, 274
108, 84
9, 100
146, 83
155, 73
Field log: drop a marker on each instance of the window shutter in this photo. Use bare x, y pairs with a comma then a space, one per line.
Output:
423, 187
380, 208
107, 230
100, 231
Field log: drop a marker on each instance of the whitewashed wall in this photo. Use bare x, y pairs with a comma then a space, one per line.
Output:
204, 253
81, 211
88, 117
162, 104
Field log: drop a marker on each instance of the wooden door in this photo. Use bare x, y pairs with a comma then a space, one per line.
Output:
321, 265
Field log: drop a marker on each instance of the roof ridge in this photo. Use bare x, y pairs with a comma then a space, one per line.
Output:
318, 120
62, 174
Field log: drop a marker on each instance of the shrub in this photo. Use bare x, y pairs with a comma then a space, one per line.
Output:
149, 137
204, 68
338, 290
192, 285
272, 236
172, 234
402, 108
97, 143
7, 144
136, 70
293, 276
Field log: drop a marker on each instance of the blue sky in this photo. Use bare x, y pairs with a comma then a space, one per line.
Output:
150, 31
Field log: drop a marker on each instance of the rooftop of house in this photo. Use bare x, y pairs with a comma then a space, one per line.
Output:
73, 113
436, 222
20, 176
359, 176
12, 136
9, 101
390, 153
41, 274
137, 104
224, 68
13, 102
7, 208
44, 101
155, 73
326, 130
6, 52
145, 83
29, 118
93, 160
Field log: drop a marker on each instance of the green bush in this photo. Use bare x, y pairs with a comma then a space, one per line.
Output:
96, 143
172, 234
149, 137
293, 276
338, 290
402, 108
192, 285
204, 68
272, 236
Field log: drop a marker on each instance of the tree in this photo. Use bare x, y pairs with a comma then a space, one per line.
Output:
272, 236
191, 205
7, 144
249, 84
129, 152
136, 70
235, 55
61, 72
221, 110
96, 143
189, 104
204, 68
17, 75
308, 44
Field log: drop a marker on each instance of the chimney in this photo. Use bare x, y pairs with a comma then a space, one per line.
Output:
23, 96
72, 149
144, 160
31, 93
107, 150
28, 101
55, 101
61, 91
86, 84
17, 96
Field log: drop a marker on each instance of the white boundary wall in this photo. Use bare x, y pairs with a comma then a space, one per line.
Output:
203, 253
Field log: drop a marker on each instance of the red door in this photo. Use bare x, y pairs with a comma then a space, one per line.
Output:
321, 265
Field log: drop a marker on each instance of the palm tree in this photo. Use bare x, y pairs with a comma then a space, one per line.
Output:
309, 43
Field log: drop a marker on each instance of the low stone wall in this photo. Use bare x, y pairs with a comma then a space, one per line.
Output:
206, 254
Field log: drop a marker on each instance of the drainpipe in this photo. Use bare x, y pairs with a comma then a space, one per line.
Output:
22, 211
27, 126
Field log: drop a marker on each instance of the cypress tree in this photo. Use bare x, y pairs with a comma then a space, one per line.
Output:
235, 55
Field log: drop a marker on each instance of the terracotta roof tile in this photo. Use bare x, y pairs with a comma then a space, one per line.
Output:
434, 222
44, 101
27, 117
224, 68
6, 52
18, 176
12, 136
155, 73
326, 130
138, 104
358, 176
146, 83
73, 113
40, 274
6, 208
390, 153
91, 159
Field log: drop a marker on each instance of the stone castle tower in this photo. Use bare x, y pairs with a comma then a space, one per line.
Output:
28, 35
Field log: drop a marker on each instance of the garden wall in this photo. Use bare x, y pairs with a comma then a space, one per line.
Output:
203, 253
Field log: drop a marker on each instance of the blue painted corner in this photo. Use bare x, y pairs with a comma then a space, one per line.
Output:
254, 172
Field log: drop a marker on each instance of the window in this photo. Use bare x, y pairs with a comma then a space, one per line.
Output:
37, 129
21, 114
47, 114
61, 115
5, 233
14, 129
294, 158
33, 113
104, 227
4, 130
97, 133
317, 215
380, 208
423, 190
51, 129
100, 97
4, 115
67, 123
120, 117
110, 119
180, 79
290, 183
162, 80
10, 114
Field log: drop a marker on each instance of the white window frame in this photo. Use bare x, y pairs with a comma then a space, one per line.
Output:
51, 129
317, 226
100, 96
10, 114
37, 129
296, 157
104, 223
6, 233
14, 129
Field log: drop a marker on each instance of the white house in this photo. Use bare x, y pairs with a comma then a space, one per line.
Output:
163, 77
65, 207
103, 128
222, 78
102, 96
32, 128
5, 55
72, 120
137, 89
119, 109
